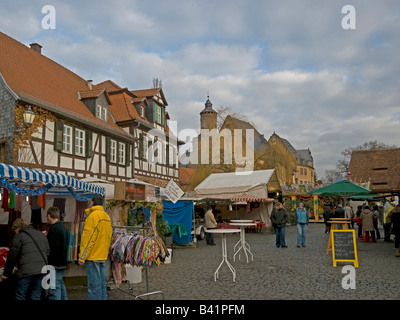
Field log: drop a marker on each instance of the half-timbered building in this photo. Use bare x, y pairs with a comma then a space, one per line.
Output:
81, 129
73, 132
142, 114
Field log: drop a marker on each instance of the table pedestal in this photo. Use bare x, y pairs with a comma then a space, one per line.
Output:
243, 245
225, 259
223, 233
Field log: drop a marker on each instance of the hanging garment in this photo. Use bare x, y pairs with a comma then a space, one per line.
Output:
13, 215
11, 201
36, 216
31, 198
60, 204
18, 202
42, 199
80, 210
4, 203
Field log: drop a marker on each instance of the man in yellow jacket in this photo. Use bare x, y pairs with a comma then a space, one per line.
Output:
95, 245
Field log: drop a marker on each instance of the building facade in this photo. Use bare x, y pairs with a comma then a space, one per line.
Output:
380, 168
80, 129
303, 172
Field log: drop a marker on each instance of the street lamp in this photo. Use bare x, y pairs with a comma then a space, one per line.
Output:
29, 116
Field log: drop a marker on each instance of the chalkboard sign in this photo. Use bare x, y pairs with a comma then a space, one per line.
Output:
344, 246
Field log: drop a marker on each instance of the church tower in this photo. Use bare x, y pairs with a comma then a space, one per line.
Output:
208, 117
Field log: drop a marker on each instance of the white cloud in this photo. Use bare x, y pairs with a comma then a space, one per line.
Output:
288, 65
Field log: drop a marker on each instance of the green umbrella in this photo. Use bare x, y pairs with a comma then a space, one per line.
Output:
342, 188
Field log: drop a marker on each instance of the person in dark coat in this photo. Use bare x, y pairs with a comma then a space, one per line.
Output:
358, 220
396, 228
367, 217
58, 241
29, 261
279, 220
339, 212
327, 216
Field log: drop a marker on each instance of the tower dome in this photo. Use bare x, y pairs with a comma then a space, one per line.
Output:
208, 116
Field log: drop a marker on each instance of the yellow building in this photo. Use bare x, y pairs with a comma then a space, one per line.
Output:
304, 171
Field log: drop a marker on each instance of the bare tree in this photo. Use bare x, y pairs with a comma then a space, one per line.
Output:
342, 164
223, 112
157, 83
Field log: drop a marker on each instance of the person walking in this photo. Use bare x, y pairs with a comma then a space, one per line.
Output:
387, 222
396, 228
94, 248
358, 220
367, 217
327, 215
339, 212
28, 252
349, 214
210, 224
58, 242
301, 218
376, 220
279, 220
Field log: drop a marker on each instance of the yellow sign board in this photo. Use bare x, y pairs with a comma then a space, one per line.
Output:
344, 246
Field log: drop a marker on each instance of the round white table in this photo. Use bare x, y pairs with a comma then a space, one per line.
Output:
242, 242
242, 221
224, 232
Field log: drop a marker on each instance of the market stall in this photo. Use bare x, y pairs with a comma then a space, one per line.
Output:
179, 216
137, 243
299, 193
252, 192
27, 193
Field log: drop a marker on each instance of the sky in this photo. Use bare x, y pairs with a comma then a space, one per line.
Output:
290, 66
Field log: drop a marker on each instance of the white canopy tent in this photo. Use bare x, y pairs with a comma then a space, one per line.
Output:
249, 186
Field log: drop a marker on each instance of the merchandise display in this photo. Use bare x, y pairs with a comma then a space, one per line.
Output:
136, 250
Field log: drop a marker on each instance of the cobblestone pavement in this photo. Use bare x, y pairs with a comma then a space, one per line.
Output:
275, 273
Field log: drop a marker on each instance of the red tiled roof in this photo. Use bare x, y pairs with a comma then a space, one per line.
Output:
109, 85
33, 76
122, 108
90, 93
381, 167
150, 93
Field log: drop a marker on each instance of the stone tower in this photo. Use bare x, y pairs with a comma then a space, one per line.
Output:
208, 117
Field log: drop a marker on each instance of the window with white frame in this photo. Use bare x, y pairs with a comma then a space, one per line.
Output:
79, 142
171, 155
159, 115
101, 112
67, 139
121, 153
145, 146
113, 151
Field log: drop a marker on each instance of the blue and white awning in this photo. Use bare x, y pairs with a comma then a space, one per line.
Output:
10, 175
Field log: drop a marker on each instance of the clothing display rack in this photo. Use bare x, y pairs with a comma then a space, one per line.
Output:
130, 245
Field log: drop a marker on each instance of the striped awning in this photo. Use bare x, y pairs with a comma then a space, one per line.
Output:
237, 197
14, 174
248, 198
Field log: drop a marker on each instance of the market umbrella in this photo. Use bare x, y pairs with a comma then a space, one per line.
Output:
342, 188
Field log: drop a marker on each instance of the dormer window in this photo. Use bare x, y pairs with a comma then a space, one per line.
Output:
158, 114
101, 113
142, 111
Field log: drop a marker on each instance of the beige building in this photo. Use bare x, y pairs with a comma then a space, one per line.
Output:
303, 172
